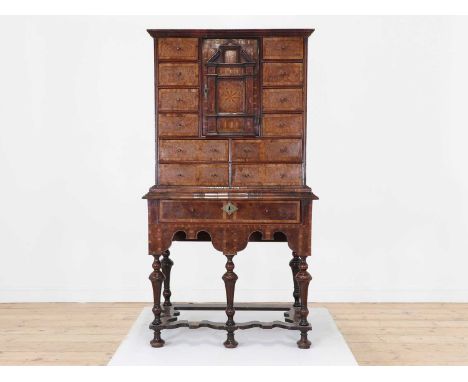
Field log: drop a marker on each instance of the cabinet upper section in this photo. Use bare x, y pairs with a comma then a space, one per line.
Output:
242, 90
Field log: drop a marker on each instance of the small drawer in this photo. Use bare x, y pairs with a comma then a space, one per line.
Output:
287, 48
170, 74
190, 210
178, 99
266, 174
177, 125
193, 150
287, 74
193, 175
175, 48
282, 100
267, 212
282, 124
268, 150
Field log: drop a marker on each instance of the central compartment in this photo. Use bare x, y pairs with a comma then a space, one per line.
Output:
230, 87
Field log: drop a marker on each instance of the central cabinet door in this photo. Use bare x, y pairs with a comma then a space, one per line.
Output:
230, 87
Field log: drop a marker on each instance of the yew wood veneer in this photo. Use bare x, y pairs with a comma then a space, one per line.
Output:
230, 166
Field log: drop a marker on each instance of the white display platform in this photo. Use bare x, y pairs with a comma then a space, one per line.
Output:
204, 346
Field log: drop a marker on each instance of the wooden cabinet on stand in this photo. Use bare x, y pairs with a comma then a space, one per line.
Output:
230, 161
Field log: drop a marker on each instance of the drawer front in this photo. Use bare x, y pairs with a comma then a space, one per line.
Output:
193, 150
287, 48
178, 99
178, 74
282, 124
268, 212
191, 210
268, 150
287, 74
266, 174
282, 99
173, 48
247, 211
183, 125
193, 175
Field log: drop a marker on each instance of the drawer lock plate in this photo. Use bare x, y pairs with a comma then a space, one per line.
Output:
229, 208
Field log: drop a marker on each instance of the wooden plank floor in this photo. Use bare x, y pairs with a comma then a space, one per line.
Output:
88, 334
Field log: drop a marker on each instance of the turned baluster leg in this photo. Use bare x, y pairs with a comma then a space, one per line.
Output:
230, 279
166, 265
157, 277
303, 279
294, 264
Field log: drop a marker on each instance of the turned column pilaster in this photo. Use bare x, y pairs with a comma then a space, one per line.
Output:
303, 279
157, 277
166, 265
294, 264
230, 279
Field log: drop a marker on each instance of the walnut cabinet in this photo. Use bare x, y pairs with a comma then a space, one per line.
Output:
231, 122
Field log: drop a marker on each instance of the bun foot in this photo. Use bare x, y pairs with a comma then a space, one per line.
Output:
230, 342
157, 341
304, 343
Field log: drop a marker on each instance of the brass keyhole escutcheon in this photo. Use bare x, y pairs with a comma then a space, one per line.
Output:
229, 208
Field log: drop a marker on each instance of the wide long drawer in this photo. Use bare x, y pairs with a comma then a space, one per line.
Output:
240, 212
268, 150
194, 174
188, 150
266, 174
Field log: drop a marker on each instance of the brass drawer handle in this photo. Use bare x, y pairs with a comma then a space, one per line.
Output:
179, 99
283, 73
283, 150
282, 175
180, 124
179, 175
247, 150
178, 48
214, 150
284, 47
246, 175
179, 150
282, 124
229, 208
214, 175
283, 99
179, 74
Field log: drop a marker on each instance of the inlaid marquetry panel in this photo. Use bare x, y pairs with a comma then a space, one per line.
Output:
230, 96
